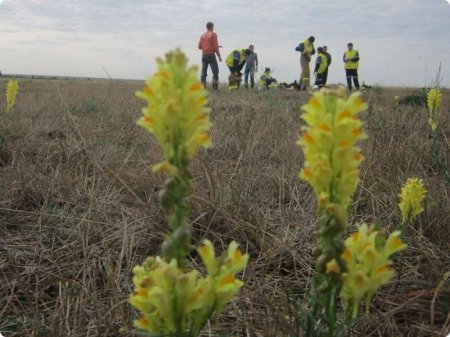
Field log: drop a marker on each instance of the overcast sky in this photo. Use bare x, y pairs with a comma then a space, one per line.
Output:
401, 42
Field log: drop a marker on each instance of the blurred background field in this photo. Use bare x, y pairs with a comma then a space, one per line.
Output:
79, 208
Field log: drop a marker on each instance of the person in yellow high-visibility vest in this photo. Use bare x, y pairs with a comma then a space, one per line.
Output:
306, 48
351, 60
235, 62
320, 68
266, 81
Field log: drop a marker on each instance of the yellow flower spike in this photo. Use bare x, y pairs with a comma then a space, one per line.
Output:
393, 244
329, 143
411, 195
12, 88
236, 259
207, 254
367, 264
434, 99
172, 300
176, 113
165, 295
434, 102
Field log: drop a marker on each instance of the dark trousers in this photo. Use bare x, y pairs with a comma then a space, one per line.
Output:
320, 80
210, 60
352, 73
236, 69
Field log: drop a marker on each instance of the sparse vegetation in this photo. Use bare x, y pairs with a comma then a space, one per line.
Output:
79, 209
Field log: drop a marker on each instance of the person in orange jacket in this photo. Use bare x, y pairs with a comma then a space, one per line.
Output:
209, 45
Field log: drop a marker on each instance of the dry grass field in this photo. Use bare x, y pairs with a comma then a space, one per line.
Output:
79, 208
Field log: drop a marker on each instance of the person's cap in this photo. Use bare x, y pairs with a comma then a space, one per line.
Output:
311, 38
267, 70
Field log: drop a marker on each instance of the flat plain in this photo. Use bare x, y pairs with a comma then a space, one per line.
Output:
79, 208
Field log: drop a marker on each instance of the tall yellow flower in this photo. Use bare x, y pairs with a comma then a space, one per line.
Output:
12, 88
412, 195
172, 300
368, 265
329, 140
434, 102
176, 113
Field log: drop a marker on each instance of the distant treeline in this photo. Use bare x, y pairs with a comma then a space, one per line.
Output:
47, 77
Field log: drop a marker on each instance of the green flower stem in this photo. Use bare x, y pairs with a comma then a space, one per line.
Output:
174, 201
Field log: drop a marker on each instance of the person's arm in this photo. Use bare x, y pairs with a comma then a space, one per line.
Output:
313, 51
318, 62
215, 43
236, 58
200, 42
345, 59
256, 62
300, 47
356, 58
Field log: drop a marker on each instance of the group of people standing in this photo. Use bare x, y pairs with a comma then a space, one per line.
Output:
239, 58
323, 62
235, 61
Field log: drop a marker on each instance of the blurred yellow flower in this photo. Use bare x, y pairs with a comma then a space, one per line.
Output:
367, 262
177, 112
12, 88
412, 195
434, 102
329, 140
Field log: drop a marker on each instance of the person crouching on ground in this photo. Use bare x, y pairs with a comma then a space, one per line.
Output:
235, 62
266, 80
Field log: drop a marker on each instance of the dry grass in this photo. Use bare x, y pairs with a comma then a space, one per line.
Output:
79, 208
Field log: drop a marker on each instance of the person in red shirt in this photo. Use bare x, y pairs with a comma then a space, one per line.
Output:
209, 45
